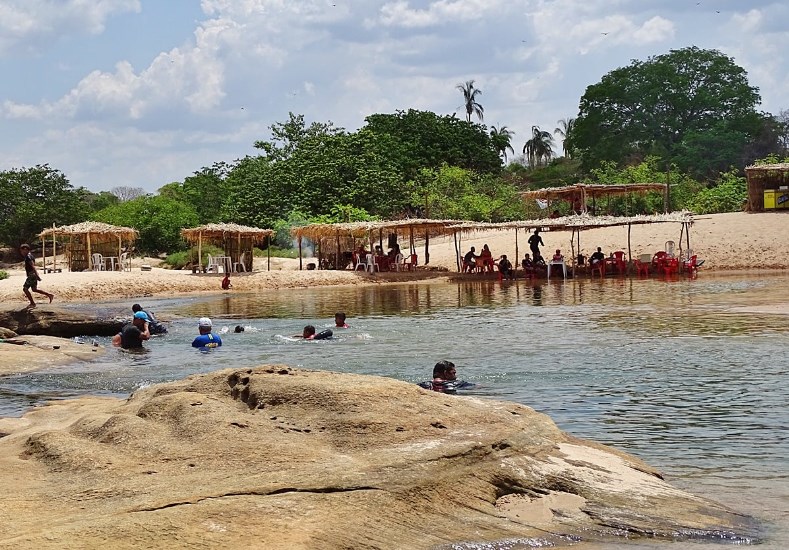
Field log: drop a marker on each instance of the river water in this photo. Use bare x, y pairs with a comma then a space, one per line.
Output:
689, 375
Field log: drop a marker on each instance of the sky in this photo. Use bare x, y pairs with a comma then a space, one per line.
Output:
141, 93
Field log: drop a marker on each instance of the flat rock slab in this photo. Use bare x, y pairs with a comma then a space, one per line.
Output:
274, 457
53, 321
30, 353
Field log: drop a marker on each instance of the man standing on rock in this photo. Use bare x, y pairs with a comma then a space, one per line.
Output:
31, 282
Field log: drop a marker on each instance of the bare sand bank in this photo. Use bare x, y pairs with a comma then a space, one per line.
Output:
735, 241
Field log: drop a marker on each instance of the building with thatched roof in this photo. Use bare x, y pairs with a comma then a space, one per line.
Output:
768, 187
82, 240
335, 241
236, 240
578, 194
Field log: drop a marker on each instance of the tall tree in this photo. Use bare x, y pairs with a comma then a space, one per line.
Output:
126, 193
35, 198
666, 105
470, 102
502, 140
539, 149
564, 131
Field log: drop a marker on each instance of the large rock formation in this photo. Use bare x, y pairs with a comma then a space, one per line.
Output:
65, 323
274, 457
20, 354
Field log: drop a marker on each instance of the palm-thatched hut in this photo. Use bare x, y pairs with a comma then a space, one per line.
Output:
578, 195
335, 241
576, 224
84, 239
768, 187
236, 240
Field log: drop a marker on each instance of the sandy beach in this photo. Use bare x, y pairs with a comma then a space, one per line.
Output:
734, 241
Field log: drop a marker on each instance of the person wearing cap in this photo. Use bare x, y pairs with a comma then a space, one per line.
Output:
32, 276
132, 334
207, 339
153, 324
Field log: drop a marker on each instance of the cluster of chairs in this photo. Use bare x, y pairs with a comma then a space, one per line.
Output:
98, 262
400, 263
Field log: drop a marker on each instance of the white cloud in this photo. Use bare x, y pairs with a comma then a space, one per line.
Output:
31, 25
400, 13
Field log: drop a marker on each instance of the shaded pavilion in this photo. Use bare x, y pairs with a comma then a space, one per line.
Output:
575, 224
82, 240
234, 239
343, 237
583, 192
770, 182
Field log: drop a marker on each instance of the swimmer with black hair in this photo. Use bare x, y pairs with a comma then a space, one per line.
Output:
309, 334
339, 320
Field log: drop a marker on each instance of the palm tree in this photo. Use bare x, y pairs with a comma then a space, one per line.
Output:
502, 138
564, 130
539, 147
470, 94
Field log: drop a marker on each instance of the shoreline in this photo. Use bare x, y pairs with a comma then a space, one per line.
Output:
733, 243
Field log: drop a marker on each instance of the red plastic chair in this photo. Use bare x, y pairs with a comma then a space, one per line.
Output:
690, 266
599, 267
643, 268
621, 264
671, 266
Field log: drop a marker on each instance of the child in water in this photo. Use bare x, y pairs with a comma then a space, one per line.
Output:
339, 320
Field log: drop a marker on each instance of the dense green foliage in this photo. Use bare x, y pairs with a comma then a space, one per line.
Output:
727, 195
681, 188
159, 219
693, 107
34, 199
185, 258
3, 274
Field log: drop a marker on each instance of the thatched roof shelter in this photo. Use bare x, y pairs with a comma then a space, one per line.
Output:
88, 238
575, 224
768, 181
347, 233
581, 192
236, 240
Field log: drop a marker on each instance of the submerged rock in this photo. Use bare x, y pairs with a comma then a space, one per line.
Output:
274, 457
47, 320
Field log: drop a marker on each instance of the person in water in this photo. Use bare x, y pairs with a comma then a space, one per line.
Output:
207, 339
339, 320
238, 329
445, 379
310, 334
153, 325
132, 334
226, 284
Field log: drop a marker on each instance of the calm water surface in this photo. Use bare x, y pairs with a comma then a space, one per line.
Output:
671, 371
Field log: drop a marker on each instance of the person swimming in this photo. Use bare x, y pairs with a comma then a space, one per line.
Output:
309, 333
445, 379
339, 320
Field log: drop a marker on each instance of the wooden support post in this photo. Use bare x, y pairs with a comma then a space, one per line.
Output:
300, 266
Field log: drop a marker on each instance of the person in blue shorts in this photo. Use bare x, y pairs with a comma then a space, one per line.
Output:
207, 339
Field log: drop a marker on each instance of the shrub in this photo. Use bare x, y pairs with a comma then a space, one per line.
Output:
727, 195
185, 258
3, 274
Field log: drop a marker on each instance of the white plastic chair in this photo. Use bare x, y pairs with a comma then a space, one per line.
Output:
670, 249
126, 262
239, 265
360, 264
98, 262
398, 262
370, 264
212, 265
558, 263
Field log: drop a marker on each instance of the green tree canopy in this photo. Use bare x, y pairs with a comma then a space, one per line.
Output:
670, 105
159, 219
422, 139
34, 199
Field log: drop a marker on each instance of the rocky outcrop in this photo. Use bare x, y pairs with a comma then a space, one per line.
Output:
274, 457
64, 323
29, 353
